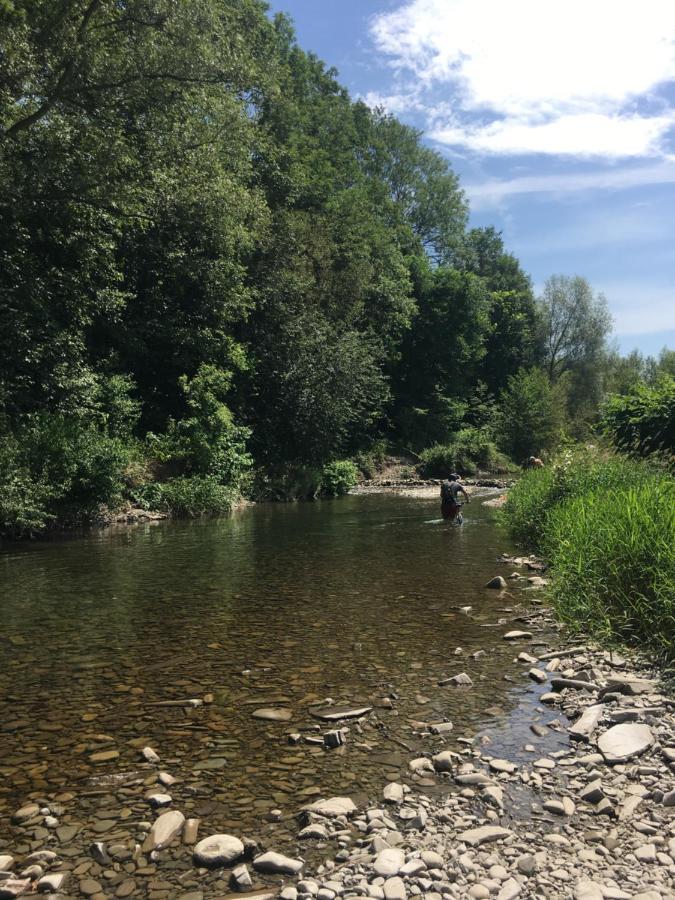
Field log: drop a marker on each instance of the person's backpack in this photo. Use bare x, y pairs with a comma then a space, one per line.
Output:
446, 491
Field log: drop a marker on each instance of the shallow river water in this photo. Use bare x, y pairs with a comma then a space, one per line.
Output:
358, 600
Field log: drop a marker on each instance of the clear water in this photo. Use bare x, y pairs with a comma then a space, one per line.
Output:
279, 606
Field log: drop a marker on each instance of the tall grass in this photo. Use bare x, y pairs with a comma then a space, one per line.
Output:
607, 528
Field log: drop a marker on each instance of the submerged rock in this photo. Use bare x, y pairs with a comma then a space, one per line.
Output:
269, 714
164, 830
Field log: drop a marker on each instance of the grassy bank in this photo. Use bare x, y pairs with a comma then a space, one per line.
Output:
607, 528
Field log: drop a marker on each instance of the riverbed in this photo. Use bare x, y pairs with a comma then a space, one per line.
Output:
367, 601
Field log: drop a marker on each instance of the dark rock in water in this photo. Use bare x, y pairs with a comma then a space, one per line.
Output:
333, 739
334, 714
270, 714
497, 582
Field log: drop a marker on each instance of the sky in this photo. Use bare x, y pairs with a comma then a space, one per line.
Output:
559, 118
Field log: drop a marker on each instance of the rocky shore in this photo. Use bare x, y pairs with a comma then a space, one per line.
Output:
593, 820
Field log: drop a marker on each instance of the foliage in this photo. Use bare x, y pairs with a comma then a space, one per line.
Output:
471, 450
338, 477
287, 482
194, 496
370, 460
530, 416
55, 468
643, 420
612, 552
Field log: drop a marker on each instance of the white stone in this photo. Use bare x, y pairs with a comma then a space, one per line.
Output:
218, 850
164, 830
393, 792
149, 755
394, 889
509, 890
389, 862
314, 832
273, 863
334, 807
588, 890
622, 742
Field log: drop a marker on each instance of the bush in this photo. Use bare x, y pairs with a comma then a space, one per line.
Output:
338, 477
290, 481
643, 422
612, 554
195, 496
57, 469
472, 449
369, 462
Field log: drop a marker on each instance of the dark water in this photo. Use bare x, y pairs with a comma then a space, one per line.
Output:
279, 606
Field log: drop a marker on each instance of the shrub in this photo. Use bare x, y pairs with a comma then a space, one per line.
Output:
57, 469
612, 553
290, 481
195, 496
472, 449
370, 461
643, 421
338, 477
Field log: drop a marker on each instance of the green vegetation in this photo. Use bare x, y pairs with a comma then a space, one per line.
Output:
220, 274
471, 450
606, 525
642, 421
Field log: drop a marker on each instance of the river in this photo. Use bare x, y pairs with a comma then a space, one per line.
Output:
362, 600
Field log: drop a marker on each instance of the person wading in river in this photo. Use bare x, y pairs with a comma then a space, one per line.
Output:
535, 463
450, 490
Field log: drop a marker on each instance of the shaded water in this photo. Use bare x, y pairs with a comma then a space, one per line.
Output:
279, 606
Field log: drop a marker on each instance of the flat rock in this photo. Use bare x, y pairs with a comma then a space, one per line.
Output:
622, 742
272, 863
26, 812
218, 850
458, 680
517, 635
14, 887
503, 765
587, 722
271, 714
164, 830
389, 862
334, 807
334, 714
484, 835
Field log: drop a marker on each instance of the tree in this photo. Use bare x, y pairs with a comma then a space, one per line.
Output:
575, 324
531, 415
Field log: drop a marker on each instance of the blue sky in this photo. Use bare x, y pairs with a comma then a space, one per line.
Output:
558, 117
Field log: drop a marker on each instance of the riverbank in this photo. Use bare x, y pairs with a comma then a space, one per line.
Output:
558, 817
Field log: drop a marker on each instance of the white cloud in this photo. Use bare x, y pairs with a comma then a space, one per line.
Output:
587, 134
490, 192
537, 75
393, 103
